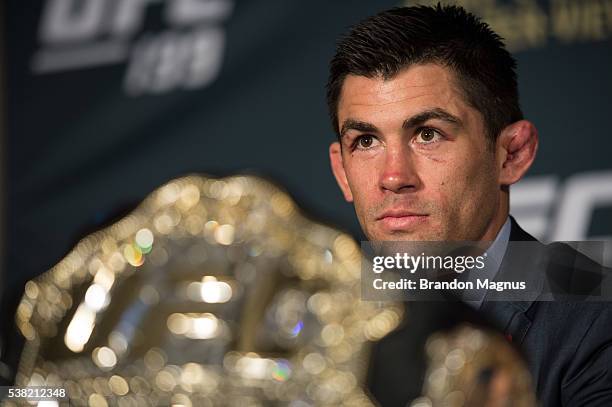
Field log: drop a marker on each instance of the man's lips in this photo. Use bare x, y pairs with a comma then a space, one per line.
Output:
399, 213
400, 219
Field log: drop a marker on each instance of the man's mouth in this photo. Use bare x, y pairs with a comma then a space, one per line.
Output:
400, 219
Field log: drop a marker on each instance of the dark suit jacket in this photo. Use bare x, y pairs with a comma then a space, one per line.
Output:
567, 343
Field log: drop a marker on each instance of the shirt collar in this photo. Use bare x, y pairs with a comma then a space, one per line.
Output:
495, 253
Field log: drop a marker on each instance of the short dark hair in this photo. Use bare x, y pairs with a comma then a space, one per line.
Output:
384, 44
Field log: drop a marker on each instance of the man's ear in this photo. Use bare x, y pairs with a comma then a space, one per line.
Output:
516, 148
335, 157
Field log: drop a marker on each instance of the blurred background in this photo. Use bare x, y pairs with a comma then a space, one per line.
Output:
105, 100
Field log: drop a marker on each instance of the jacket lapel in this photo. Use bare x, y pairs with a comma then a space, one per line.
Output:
512, 317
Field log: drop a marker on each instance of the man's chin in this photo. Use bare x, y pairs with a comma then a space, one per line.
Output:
404, 236
415, 231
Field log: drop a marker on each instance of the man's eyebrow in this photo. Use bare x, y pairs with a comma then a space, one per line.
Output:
426, 115
414, 121
351, 124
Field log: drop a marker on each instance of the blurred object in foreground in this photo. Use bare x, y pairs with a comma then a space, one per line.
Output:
212, 292
469, 366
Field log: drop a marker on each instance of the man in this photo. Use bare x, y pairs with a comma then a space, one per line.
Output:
425, 104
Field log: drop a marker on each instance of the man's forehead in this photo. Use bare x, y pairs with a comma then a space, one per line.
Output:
412, 82
417, 86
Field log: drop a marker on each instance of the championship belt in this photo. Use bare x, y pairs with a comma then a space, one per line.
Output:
213, 292
474, 367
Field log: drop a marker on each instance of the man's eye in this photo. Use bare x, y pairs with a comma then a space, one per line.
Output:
364, 142
428, 135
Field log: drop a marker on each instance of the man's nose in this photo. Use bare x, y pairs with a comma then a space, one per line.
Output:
399, 173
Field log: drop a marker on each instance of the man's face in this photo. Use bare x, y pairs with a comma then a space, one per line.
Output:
416, 159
